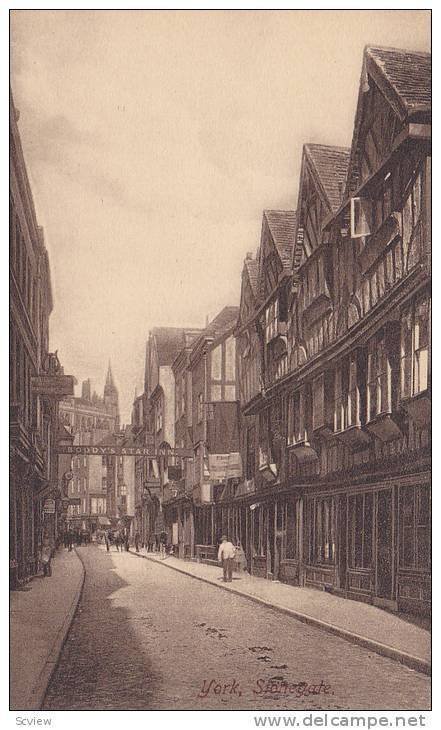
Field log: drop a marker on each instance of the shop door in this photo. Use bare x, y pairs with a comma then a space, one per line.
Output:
271, 541
384, 544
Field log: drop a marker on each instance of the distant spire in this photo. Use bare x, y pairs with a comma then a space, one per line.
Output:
110, 385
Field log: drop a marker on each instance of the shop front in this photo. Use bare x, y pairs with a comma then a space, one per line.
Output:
274, 545
371, 544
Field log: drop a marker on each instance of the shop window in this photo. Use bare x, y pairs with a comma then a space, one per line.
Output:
360, 525
260, 532
415, 527
415, 330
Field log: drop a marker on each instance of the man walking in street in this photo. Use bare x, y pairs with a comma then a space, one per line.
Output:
226, 556
163, 544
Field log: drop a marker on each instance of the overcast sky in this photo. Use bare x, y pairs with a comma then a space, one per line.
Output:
155, 139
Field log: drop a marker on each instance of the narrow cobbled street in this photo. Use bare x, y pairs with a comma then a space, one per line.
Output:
145, 637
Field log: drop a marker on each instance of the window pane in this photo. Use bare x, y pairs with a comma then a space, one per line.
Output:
230, 392
407, 517
216, 363
367, 548
230, 365
417, 198
358, 534
216, 392
421, 345
406, 355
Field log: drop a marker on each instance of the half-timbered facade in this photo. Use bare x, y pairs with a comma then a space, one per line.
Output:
359, 403
342, 416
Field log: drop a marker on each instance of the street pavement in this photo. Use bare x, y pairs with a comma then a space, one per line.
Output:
149, 638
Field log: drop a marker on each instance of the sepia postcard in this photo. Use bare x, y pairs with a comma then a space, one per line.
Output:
220, 363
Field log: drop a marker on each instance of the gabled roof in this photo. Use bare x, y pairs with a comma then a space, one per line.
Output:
169, 340
331, 167
407, 73
225, 320
282, 226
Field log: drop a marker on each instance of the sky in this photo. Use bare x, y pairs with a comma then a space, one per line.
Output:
155, 139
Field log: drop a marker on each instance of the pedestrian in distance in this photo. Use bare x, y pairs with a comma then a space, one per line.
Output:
226, 555
106, 540
126, 543
137, 542
46, 555
240, 558
163, 544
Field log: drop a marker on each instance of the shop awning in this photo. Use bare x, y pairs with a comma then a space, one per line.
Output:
103, 521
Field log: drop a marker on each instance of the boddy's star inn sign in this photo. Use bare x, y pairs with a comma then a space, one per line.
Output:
84, 450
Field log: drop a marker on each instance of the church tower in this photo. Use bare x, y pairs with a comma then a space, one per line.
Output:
111, 400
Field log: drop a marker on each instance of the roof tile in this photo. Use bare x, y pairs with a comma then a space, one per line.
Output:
408, 72
331, 165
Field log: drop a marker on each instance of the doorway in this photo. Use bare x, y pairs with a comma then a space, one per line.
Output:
384, 567
271, 541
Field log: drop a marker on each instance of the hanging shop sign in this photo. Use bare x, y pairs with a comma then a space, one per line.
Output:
56, 386
224, 466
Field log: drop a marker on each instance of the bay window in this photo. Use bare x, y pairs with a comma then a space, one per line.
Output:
223, 371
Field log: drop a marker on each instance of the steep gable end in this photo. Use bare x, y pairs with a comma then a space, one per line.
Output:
395, 87
276, 248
